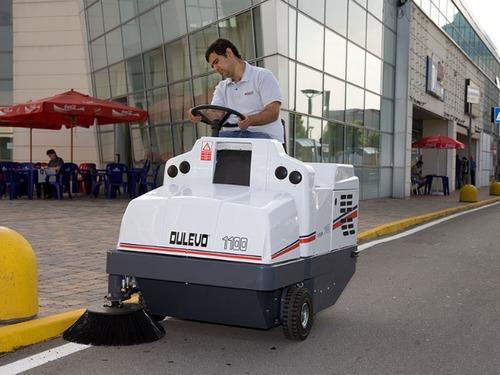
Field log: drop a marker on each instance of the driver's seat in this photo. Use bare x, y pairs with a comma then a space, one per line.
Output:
284, 135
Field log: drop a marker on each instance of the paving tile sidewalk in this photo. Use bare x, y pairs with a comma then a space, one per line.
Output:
71, 237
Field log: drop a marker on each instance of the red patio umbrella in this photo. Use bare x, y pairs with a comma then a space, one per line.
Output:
69, 109
438, 141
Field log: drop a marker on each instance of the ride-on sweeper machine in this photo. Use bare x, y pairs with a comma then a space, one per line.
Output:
240, 233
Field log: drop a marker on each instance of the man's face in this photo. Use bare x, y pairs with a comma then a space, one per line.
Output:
224, 65
52, 156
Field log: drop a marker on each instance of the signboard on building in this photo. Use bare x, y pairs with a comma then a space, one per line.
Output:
495, 115
434, 79
472, 99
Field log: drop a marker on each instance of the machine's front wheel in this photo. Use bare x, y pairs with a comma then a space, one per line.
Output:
297, 316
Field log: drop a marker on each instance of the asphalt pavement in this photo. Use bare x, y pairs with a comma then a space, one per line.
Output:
424, 304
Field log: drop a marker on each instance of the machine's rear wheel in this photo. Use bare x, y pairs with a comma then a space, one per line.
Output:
297, 316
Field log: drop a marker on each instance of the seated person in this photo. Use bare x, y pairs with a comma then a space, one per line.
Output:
416, 175
248, 89
55, 163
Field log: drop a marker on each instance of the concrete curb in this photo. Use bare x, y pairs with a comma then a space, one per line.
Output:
400, 225
31, 332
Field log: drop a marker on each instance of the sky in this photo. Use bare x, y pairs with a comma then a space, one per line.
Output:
487, 15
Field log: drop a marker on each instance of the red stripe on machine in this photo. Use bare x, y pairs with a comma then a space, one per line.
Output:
307, 239
338, 223
286, 250
129, 246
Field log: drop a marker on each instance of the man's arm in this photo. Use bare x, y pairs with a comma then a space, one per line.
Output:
270, 114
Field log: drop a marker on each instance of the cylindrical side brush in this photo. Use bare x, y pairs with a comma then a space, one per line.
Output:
116, 325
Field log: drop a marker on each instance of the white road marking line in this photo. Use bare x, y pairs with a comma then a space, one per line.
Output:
41, 358
367, 245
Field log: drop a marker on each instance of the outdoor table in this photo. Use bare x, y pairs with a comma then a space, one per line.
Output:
444, 180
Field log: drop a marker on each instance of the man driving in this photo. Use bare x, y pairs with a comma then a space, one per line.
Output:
250, 90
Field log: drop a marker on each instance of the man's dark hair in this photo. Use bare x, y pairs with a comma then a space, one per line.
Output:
51, 152
220, 46
420, 162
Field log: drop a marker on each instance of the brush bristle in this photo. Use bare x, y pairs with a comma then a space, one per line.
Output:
109, 329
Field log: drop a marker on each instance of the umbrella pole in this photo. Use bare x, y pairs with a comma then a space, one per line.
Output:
72, 144
31, 145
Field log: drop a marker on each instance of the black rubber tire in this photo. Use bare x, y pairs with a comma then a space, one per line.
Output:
291, 320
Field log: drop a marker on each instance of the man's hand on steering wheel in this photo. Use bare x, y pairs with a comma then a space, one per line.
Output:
244, 123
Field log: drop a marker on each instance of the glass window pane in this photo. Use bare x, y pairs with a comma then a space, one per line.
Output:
5, 38
162, 143
177, 60
180, 100
353, 153
388, 81
94, 17
114, 46
199, 42
135, 74
200, 13
204, 88
387, 116
154, 68
98, 53
333, 143
335, 52
374, 36
369, 182
239, 31
371, 148
310, 42
146, 4
227, 7
355, 64
309, 98
315, 9
151, 33
158, 108
390, 14
336, 15
373, 73
140, 145
385, 150
173, 14
376, 7
354, 105
184, 137
131, 38
291, 85
372, 111
389, 46
357, 24
128, 9
292, 33
334, 99
118, 80
101, 80
107, 146
6, 65
111, 14
385, 181
307, 142
138, 100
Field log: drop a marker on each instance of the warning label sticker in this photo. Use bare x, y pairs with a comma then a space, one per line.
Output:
206, 151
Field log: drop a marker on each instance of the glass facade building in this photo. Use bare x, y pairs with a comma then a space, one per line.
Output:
334, 59
6, 67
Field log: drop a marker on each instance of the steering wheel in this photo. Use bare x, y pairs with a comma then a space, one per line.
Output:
215, 116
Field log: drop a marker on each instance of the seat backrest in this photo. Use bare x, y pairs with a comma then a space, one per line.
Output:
27, 165
115, 172
87, 166
69, 169
146, 166
7, 168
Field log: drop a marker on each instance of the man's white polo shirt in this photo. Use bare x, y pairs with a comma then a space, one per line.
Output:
257, 88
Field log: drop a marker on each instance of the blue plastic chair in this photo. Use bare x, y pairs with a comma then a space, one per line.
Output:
9, 180
69, 178
115, 173
149, 182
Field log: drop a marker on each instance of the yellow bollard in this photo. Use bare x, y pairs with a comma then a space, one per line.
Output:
468, 193
495, 188
18, 278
